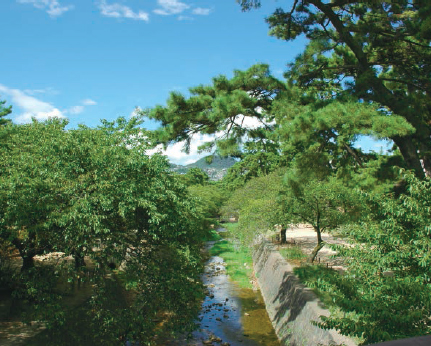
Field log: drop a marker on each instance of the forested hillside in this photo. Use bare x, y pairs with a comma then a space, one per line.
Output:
215, 166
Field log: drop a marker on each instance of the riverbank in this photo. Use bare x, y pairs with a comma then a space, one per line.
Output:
292, 306
238, 258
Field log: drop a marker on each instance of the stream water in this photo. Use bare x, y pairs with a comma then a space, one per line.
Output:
230, 315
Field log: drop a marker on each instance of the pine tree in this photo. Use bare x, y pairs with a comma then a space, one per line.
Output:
4, 111
375, 51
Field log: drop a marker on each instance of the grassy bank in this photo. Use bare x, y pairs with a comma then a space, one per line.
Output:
211, 235
238, 258
294, 254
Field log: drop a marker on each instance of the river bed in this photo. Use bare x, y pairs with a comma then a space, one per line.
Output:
230, 315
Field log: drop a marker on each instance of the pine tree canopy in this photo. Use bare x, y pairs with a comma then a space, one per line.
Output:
377, 52
221, 109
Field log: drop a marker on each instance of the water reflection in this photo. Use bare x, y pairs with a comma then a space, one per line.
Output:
230, 315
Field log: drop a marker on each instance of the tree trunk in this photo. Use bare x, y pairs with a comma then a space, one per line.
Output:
320, 244
410, 154
27, 262
26, 251
79, 260
283, 239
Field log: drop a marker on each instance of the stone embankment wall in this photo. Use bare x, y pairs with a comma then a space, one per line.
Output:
291, 306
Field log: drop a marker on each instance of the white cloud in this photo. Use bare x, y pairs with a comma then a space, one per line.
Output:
251, 123
80, 108
52, 7
121, 11
41, 116
177, 156
201, 11
89, 102
31, 106
169, 7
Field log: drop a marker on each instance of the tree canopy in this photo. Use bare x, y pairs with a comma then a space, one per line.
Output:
365, 70
94, 194
224, 109
255, 204
376, 52
385, 293
324, 203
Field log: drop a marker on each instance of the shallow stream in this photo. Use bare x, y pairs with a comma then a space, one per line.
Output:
230, 315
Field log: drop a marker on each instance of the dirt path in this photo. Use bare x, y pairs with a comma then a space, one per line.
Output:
305, 237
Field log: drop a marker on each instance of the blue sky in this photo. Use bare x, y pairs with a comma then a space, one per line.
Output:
99, 59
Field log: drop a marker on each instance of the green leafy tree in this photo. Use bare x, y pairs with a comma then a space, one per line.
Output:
195, 176
257, 160
210, 199
27, 192
376, 52
325, 204
255, 205
4, 111
94, 194
385, 293
313, 123
325, 131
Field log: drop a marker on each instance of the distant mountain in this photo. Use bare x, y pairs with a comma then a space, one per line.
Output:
178, 168
216, 163
216, 170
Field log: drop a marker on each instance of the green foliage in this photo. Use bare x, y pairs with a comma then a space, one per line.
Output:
379, 174
221, 108
386, 291
95, 193
317, 277
351, 55
209, 200
324, 204
319, 127
213, 235
255, 204
4, 111
293, 253
195, 176
238, 259
255, 163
